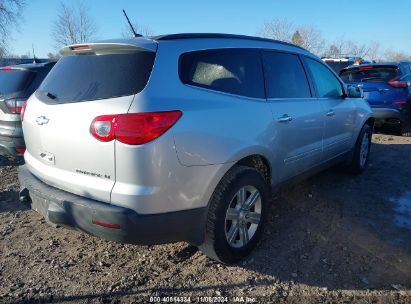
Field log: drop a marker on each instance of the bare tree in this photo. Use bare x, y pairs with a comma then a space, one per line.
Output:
374, 53
357, 50
305, 36
53, 56
143, 30
10, 11
278, 29
73, 25
86, 26
391, 55
311, 39
344, 48
297, 39
333, 51
25, 56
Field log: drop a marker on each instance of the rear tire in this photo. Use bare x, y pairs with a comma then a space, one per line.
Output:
361, 151
236, 216
406, 127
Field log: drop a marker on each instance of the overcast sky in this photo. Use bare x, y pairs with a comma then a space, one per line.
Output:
387, 22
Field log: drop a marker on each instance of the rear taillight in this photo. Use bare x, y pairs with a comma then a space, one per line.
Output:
20, 150
366, 67
23, 110
80, 48
398, 84
133, 128
15, 105
400, 102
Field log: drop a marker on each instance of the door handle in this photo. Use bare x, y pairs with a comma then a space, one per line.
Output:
330, 113
285, 118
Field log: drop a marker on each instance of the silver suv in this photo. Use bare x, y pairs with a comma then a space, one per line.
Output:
183, 137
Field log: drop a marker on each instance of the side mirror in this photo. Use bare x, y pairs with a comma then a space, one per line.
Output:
354, 92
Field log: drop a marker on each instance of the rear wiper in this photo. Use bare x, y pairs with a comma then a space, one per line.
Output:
51, 96
370, 78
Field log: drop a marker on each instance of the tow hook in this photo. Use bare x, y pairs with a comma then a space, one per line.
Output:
24, 196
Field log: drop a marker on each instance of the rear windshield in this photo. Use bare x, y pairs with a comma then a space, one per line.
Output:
14, 81
365, 74
91, 77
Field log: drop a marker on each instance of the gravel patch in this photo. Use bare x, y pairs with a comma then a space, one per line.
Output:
334, 238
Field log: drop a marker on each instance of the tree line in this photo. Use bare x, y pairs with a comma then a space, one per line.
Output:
310, 38
74, 24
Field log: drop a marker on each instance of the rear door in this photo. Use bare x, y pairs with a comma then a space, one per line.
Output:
339, 113
297, 114
60, 148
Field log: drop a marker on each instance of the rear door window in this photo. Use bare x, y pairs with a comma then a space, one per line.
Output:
14, 81
91, 77
369, 74
234, 71
327, 84
285, 76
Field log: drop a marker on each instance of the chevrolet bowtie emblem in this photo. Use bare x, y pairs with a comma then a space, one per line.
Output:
42, 120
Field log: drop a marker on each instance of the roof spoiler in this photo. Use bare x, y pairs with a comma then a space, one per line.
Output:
110, 47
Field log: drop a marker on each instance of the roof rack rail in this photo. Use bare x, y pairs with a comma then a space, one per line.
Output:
215, 35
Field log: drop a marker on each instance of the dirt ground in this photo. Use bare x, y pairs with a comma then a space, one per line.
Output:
334, 238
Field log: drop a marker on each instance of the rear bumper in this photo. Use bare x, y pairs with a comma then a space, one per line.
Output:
11, 137
8, 145
107, 221
387, 115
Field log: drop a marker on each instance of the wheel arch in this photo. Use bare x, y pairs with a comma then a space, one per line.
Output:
370, 121
258, 162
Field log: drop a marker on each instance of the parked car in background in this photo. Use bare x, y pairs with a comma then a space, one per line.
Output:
182, 137
17, 83
387, 89
337, 64
15, 61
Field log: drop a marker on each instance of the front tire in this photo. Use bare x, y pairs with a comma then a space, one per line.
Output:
361, 151
236, 215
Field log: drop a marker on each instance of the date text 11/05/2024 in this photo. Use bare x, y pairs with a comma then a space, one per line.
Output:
219, 299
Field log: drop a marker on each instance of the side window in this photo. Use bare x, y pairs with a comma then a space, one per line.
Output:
328, 86
235, 71
285, 76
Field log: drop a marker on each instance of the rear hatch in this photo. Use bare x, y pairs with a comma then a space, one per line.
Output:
13, 83
381, 84
89, 81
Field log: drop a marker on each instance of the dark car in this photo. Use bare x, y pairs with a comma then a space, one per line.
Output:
337, 64
17, 83
387, 89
